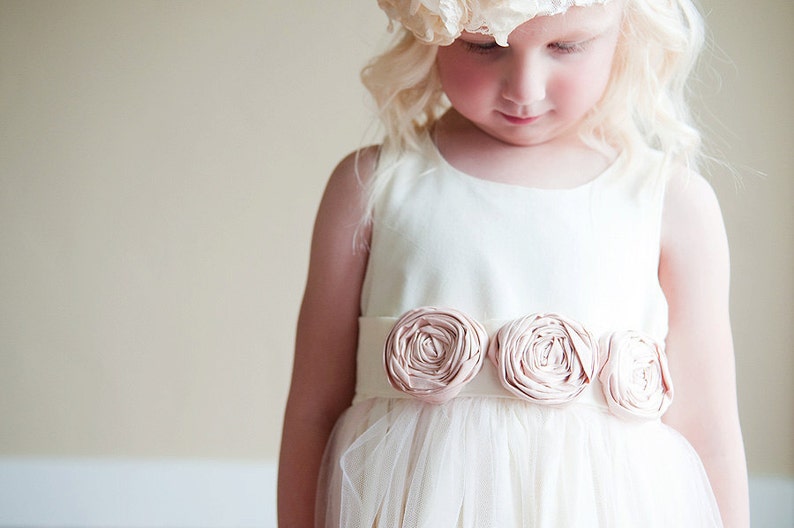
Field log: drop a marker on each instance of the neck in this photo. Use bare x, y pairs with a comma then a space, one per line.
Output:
564, 162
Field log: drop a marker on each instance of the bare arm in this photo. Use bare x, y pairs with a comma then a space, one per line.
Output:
323, 377
694, 274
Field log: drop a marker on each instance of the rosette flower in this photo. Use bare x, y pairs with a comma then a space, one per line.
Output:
635, 378
545, 358
431, 21
442, 21
431, 353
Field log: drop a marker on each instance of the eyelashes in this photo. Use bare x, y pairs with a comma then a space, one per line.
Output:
569, 47
480, 47
485, 48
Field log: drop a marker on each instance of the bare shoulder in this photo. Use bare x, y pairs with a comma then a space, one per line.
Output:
355, 169
691, 215
694, 267
689, 197
344, 201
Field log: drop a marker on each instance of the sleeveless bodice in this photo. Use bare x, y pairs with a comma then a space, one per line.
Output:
500, 251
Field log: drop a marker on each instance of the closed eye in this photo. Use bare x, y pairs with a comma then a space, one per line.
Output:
481, 47
569, 47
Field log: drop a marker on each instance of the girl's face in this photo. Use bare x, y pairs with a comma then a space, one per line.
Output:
538, 88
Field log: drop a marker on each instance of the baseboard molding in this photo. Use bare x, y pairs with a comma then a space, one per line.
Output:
169, 493
771, 502
133, 493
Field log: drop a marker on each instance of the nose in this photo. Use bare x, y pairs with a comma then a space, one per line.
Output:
525, 80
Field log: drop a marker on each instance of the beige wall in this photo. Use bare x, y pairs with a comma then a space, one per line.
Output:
160, 164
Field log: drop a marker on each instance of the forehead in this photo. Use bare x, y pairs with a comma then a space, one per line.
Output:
576, 21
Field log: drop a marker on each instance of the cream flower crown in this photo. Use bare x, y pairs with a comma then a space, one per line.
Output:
442, 21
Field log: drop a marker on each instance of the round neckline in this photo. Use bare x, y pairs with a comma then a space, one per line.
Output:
514, 186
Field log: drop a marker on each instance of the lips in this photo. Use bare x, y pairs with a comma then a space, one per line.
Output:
517, 120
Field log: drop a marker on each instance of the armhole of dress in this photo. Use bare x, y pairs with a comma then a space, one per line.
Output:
387, 169
664, 173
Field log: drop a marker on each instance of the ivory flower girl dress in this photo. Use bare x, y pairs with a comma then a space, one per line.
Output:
511, 370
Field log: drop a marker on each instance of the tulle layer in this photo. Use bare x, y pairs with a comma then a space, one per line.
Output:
501, 462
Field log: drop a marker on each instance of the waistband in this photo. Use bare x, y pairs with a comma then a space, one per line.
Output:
372, 382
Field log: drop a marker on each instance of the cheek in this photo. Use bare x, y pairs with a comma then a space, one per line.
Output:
601, 71
583, 88
464, 83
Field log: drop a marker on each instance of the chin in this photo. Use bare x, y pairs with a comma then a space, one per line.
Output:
524, 140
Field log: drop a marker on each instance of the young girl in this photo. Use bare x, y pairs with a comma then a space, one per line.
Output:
517, 306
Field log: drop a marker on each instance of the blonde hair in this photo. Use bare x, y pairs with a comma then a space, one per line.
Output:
644, 104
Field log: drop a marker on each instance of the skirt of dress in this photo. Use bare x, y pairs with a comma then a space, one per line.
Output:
501, 462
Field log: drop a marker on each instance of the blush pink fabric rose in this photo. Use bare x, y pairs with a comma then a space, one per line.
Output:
431, 353
635, 378
544, 357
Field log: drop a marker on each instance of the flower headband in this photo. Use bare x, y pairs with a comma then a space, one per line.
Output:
442, 21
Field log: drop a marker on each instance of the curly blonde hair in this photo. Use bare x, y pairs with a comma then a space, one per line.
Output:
645, 103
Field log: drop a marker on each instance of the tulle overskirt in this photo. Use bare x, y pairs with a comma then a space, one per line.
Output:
501, 462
